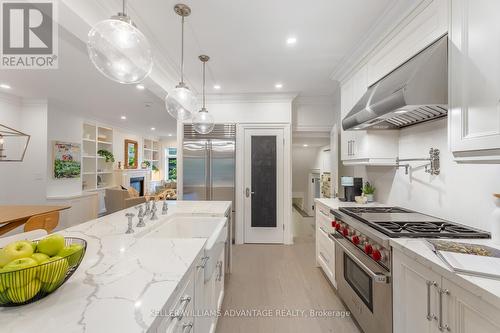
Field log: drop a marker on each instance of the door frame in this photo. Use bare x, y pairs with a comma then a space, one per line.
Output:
309, 202
240, 180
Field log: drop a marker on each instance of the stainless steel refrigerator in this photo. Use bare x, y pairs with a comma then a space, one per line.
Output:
209, 165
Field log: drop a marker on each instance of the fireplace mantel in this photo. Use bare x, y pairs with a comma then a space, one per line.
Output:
122, 177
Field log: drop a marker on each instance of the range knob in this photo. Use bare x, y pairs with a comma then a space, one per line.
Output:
376, 255
355, 239
337, 226
345, 232
368, 248
334, 224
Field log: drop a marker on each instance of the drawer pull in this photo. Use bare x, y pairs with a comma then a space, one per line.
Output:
430, 316
324, 258
179, 314
186, 328
203, 262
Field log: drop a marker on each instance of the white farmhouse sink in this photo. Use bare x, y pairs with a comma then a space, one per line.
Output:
212, 228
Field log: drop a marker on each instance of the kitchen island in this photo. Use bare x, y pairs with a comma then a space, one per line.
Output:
125, 283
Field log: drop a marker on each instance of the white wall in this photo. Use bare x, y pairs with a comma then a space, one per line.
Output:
66, 127
304, 159
315, 113
27, 179
461, 193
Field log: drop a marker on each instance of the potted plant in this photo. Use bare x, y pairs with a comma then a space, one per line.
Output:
368, 191
106, 154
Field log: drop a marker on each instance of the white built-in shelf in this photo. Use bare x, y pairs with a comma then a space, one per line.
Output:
96, 137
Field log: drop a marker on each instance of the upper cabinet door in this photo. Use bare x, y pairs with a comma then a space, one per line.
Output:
474, 60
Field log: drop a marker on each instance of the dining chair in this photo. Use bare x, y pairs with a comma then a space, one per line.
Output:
48, 222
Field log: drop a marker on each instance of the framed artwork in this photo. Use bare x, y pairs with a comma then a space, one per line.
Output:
67, 162
131, 154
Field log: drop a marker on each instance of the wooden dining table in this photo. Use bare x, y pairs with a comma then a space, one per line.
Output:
13, 216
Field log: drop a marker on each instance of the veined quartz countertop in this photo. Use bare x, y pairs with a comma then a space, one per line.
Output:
336, 203
419, 250
122, 280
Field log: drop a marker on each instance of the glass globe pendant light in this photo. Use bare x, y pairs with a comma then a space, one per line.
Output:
180, 101
203, 122
119, 50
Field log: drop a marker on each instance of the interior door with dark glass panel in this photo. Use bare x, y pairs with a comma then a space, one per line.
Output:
264, 182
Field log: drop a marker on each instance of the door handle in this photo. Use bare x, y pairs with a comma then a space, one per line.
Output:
248, 192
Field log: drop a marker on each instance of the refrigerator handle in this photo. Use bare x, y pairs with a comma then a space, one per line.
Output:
210, 175
207, 170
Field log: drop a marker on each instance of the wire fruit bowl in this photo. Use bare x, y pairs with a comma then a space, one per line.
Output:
28, 285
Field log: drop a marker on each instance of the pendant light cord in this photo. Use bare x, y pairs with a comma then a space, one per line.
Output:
123, 8
182, 51
204, 85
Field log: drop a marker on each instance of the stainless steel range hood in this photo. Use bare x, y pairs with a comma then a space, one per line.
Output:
415, 92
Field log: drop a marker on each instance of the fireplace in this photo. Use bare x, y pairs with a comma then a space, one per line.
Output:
138, 184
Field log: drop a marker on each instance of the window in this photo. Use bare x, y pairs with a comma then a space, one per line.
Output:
171, 164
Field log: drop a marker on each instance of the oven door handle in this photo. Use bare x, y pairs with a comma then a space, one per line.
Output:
377, 277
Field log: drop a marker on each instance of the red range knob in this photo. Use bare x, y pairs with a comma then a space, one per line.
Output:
376, 255
337, 226
355, 239
368, 249
345, 232
334, 224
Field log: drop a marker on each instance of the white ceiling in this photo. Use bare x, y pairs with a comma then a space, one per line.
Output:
77, 85
246, 40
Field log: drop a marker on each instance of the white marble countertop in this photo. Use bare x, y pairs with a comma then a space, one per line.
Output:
336, 203
418, 250
121, 281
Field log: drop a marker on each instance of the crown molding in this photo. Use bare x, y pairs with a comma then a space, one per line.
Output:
391, 21
250, 98
314, 131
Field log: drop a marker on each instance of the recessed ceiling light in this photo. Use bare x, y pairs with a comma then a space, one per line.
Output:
278, 85
305, 145
123, 117
357, 128
291, 40
5, 86
153, 128
217, 87
140, 87
401, 111
170, 134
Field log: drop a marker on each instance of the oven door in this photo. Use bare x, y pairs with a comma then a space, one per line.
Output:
364, 286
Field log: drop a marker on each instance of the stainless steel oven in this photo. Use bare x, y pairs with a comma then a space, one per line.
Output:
364, 285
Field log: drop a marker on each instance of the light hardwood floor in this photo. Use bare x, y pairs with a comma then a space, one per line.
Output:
271, 277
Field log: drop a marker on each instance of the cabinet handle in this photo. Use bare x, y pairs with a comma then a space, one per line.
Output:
352, 147
203, 262
219, 278
442, 327
430, 316
179, 314
349, 148
188, 326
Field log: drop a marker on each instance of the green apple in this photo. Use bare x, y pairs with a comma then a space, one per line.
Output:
34, 246
16, 250
25, 293
51, 245
15, 273
4, 298
53, 270
40, 257
50, 287
4, 259
70, 253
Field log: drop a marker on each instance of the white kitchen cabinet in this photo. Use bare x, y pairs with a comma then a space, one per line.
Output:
325, 247
464, 312
474, 77
415, 296
364, 147
424, 301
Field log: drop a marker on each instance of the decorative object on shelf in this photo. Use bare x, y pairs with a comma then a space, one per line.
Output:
203, 122
119, 50
368, 191
145, 164
131, 154
67, 162
13, 144
180, 101
495, 229
119, 165
109, 157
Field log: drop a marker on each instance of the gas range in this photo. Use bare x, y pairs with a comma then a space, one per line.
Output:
399, 222
370, 228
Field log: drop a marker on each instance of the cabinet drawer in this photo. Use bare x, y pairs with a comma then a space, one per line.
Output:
324, 221
326, 254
